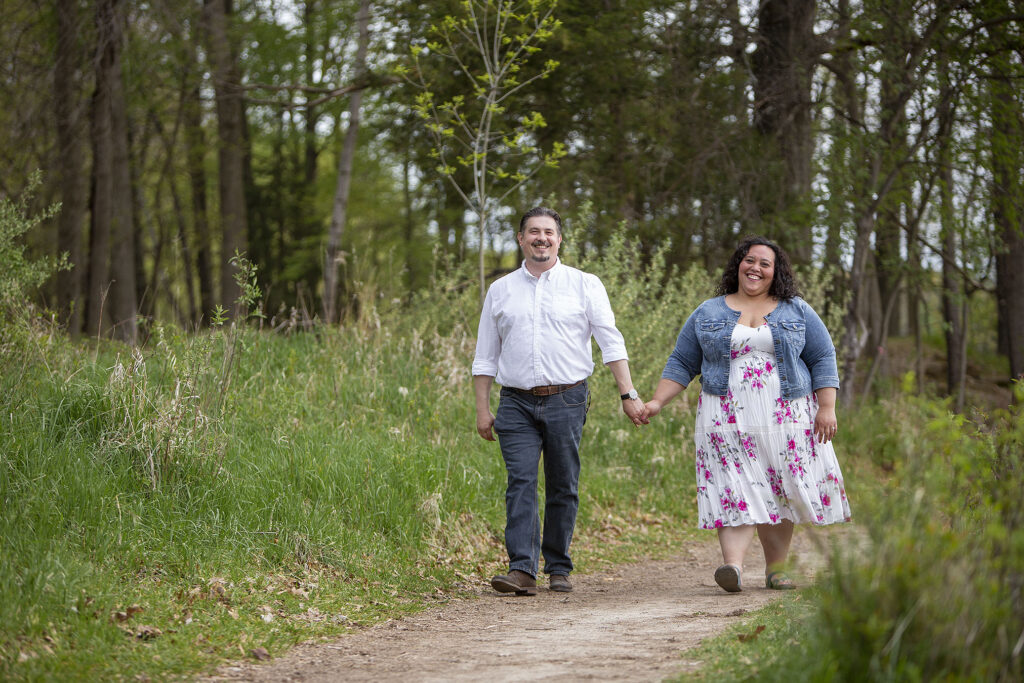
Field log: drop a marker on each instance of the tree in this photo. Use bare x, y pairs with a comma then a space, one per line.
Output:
491, 45
232, 145
1007, 190
67, 93
783, 66
348, 151
112, 244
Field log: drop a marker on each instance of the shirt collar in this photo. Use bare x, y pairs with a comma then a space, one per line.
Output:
527, 273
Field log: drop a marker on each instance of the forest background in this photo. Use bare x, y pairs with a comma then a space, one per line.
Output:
239, 197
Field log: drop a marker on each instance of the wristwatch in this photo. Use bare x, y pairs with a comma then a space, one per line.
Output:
631, 394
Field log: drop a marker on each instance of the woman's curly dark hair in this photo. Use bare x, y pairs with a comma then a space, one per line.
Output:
783, 283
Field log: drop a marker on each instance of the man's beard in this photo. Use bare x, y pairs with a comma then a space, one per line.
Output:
537, 257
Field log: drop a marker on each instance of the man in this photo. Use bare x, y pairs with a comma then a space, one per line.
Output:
534, 338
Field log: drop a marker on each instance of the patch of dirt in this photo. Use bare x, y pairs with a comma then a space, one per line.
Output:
633, 623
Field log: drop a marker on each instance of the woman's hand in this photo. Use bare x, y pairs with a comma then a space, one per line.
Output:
825, 424
653, 407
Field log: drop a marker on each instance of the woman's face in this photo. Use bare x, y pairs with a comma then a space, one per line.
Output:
757, 270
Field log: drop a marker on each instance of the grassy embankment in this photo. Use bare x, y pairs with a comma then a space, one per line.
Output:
210, 495
216, 496
930, 586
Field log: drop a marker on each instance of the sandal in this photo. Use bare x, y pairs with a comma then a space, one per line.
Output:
728, 577
779, 581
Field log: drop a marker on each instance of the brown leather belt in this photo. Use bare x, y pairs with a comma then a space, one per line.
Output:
548, 389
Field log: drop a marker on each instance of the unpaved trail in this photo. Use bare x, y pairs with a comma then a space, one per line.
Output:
633, 623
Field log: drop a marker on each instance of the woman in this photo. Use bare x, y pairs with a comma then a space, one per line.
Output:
766, 414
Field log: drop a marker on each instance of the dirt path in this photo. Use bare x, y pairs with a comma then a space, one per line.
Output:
635, 623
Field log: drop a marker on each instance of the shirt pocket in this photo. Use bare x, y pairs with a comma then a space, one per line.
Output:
709, 333
566, 309
794, 333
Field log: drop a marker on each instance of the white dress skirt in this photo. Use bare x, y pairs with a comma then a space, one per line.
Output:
757, 459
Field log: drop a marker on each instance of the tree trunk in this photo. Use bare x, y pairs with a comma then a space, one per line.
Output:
348, 151
71, 161
231, 144
783, 66
195, 145
124, 303
102, 176
953, 296
1007, 192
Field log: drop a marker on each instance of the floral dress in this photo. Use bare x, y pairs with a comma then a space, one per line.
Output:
758, 461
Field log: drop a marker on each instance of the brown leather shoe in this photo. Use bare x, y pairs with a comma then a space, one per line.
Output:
559, 583
516, 582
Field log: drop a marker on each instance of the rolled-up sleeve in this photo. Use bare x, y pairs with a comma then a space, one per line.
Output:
488, 341
819, 353
602, 321
684, 362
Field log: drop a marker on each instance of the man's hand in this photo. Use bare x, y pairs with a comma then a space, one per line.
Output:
635, 409
484, 416
484, 422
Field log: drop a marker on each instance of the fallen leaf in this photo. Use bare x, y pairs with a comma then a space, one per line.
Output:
746, 637
144, 632
260, 653
116, 616
133, 610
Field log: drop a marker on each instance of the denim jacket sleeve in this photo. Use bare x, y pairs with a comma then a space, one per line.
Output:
684, 362
819, 354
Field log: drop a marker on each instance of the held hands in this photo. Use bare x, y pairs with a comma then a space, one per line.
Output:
636, 411
653, 407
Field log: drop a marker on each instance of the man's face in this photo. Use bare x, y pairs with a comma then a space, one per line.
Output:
540, 239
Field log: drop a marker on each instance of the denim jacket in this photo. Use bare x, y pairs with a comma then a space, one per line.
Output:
804, 354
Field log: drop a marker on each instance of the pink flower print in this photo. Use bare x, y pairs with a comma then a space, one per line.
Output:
718, 524
791, 445
732, 419
733, 355
748, 446
768, 367
742, 505
774, 517
825, 500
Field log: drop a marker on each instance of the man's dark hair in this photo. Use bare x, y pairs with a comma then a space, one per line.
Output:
541, 211
783, 282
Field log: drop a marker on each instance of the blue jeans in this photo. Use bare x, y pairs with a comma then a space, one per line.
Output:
527, 425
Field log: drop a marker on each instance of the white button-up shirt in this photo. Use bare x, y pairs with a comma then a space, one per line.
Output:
536, 331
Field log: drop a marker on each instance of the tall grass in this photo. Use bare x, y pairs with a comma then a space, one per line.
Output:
171, 506
931, 588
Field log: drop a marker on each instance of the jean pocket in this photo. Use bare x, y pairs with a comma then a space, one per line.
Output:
575, 397
794, 333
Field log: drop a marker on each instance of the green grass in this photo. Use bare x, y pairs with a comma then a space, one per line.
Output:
321, 482
932, 588
170, 509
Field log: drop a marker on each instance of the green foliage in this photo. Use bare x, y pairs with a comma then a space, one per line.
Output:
928, 587
331, 478
20, 274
